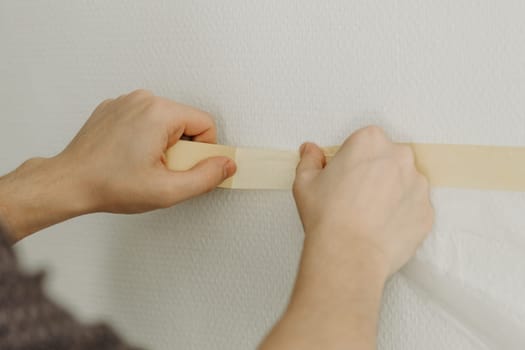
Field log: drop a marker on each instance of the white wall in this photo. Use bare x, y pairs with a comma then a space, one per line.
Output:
215, 272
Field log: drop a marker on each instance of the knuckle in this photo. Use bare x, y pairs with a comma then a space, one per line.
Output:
300, 178
105, 102
300, 195
423, 182
368, 135
405, 154
102, 105
373, 132
140, 94
153, 105
296, 187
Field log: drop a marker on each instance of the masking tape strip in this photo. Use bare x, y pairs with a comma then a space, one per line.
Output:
461, 166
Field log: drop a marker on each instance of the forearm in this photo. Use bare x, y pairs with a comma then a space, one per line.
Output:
335, 303
364, 215
40, 193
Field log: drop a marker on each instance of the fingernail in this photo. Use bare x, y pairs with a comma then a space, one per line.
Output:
229, 169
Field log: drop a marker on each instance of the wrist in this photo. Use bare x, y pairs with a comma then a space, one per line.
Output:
343, 254
336, 298
40, 193
342, 271
70, 185
73, 183
339, 278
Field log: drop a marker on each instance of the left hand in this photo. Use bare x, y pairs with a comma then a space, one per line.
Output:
119, 154
114, 164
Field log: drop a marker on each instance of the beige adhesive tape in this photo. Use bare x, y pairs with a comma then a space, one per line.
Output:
462, 166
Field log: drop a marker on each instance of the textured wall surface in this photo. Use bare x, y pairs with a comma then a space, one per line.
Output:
215, 272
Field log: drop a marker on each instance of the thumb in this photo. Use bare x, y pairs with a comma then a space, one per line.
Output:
202, 177
312, 160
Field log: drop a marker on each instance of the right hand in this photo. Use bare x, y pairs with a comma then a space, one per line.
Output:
369, 196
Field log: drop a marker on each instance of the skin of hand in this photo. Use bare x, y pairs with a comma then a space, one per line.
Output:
364, 214
115, 163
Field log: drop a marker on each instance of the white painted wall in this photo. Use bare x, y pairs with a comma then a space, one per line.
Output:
215, 272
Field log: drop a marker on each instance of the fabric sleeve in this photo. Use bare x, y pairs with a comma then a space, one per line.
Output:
29, 320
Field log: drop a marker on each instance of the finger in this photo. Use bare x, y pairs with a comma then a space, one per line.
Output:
312, 160
197, 124
105, 103
404, 155
189, 121
365, 143
210, 136
368, 136
202, 178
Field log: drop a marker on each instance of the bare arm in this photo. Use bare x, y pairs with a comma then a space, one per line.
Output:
364, 214
114, 164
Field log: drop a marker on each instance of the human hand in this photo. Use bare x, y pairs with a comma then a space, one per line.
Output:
115, 163
364, 214
369, 196
118, 155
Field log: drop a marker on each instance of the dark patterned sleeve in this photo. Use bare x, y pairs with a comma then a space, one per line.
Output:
29, 320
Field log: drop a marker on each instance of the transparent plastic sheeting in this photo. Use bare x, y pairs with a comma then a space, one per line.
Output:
478, 316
